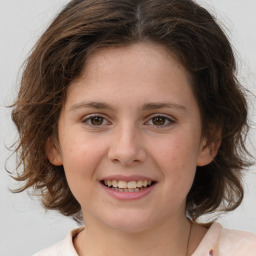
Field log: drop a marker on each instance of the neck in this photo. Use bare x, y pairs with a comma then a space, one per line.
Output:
172, 238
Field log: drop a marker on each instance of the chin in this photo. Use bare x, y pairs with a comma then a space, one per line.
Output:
130, 223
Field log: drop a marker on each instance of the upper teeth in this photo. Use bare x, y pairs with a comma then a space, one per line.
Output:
129, 184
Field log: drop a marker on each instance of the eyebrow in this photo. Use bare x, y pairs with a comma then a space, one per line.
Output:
146, 107
96, 105
159, 105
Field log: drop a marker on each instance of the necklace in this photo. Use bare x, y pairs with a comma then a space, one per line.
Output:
189, 235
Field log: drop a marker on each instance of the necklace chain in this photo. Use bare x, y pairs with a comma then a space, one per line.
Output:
189, 236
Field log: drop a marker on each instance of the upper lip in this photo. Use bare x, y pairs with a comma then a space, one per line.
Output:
127, 178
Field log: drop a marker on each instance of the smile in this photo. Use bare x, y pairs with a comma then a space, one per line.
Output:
130, 186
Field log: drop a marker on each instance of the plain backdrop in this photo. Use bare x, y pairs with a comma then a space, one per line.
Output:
24, 226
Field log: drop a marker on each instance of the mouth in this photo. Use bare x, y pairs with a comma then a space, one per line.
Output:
128, 186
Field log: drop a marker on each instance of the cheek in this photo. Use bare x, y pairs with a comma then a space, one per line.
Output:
176, 157
81, 157
80, 161
177, 150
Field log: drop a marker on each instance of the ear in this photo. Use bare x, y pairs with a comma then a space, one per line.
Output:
208, 150
53, 152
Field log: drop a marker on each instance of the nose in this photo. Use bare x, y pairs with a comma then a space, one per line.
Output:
127, 147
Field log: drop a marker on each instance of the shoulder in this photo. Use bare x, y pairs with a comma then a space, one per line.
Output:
237, 242
54, 250
63, 248
219, 241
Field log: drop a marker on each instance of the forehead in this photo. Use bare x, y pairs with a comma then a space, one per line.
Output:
147, 69
133, 59
140, 51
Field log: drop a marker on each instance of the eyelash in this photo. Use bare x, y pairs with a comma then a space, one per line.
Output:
89, 119
170, 121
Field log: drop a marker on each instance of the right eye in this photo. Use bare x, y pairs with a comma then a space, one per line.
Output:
95, 120
160, 121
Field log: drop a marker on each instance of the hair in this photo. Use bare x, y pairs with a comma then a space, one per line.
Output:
181, 26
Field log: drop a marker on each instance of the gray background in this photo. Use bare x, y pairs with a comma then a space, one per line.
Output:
25, 227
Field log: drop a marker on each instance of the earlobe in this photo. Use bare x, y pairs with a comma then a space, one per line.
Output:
53, 152
208, 152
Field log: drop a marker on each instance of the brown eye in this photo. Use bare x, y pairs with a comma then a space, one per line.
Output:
96, 120
158, 120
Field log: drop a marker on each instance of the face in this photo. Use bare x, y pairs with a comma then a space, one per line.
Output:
130, 138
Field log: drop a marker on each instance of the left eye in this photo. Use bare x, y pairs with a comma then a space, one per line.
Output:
160, 121
95, 121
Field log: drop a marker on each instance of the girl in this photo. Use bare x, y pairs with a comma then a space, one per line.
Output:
131, 120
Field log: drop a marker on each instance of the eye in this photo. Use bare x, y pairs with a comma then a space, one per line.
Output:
160, 121
95, 120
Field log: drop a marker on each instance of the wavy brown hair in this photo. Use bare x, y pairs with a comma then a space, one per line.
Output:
84, 26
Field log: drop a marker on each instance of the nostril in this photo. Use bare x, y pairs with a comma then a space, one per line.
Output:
126, 153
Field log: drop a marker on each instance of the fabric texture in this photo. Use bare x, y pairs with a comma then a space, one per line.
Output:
218, 241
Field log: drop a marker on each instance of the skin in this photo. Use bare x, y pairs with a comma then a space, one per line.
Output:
128, 140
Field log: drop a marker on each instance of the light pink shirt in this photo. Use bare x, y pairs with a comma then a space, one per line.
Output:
218, 241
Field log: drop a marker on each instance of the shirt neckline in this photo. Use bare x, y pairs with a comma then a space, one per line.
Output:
209, 242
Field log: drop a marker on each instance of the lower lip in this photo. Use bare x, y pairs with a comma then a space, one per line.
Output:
128, 195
